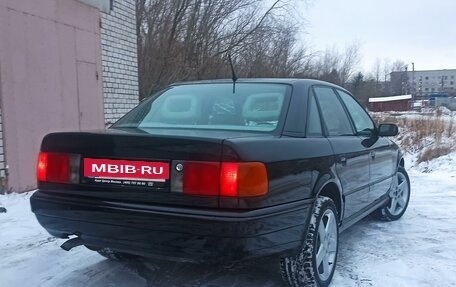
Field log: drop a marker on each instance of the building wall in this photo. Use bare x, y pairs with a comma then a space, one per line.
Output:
2, 150
401, 105
424, 83
119, 59
50, 67
435, 81
64, 66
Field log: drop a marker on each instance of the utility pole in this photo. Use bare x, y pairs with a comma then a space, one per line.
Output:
404, 81
413, 80
442, 83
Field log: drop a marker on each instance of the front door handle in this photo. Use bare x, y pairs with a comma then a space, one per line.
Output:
343, 160
372, 154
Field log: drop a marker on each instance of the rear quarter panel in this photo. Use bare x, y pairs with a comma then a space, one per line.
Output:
294, 167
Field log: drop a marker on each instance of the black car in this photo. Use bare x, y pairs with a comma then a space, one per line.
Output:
223, 171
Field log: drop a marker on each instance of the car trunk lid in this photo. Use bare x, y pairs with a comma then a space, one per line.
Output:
162, 154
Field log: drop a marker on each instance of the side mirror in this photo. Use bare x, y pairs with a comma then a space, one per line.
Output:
387, 130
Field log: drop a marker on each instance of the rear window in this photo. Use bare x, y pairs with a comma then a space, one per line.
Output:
253, 107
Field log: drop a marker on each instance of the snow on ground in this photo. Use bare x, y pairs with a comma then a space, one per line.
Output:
418, 250
446, 163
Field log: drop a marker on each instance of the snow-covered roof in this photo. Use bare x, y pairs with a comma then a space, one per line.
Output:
389, 99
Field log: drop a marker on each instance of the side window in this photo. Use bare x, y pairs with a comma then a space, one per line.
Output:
313, 118
334, 116
362, 121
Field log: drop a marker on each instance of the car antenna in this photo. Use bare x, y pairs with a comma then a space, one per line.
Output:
233, 74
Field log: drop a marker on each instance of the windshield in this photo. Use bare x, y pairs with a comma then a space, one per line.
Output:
253, 107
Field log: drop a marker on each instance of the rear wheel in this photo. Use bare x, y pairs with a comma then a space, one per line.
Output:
399, 197
314, 265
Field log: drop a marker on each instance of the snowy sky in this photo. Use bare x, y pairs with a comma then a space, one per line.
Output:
419, 31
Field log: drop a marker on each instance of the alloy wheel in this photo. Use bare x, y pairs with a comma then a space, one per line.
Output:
399, 195
326, 244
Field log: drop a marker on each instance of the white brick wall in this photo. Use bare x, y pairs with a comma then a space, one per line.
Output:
3, 171
119, 59
2, 150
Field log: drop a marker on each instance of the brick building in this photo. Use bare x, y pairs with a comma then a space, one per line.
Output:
393, 103
64, 65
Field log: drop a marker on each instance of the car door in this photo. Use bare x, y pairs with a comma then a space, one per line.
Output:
382, 167
352, 157
381, 153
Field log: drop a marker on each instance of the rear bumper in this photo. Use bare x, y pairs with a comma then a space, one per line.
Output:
181, 234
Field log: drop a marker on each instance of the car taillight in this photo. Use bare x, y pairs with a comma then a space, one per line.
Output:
243, 179
201, 178
230, 179
58, 167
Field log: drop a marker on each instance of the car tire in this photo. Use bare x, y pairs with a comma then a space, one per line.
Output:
308, 268
398, 199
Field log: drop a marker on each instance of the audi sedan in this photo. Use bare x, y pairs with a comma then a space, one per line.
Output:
224, 171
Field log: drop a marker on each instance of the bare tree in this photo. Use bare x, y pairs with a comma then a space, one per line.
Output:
350, 62
334, 66
398, 66
190, 39
376, 73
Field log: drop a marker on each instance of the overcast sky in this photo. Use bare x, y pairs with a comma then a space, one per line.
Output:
417, 31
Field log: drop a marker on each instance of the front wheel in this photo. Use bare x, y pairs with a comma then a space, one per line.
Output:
399, 197
314, 265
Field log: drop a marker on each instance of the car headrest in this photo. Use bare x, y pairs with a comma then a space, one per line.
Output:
262, 107
180, 107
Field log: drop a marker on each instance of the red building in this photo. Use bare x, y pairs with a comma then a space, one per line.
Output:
394, 103
65, 65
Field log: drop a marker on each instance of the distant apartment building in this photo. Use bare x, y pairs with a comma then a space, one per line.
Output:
422, 84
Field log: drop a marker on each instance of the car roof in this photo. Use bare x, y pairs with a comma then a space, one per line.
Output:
290, 81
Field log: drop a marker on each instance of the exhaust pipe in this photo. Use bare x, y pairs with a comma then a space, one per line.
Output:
71, 243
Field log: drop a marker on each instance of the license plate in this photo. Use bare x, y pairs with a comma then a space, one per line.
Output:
125, 170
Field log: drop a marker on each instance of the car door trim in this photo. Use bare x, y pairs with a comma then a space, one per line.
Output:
363, 213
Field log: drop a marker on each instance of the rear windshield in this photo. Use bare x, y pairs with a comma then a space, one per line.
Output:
252, 107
